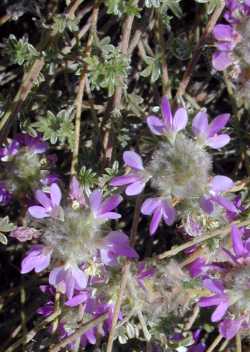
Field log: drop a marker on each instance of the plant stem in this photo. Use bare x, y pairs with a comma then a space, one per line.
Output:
220, 232
79, 332
215, 343
80, 92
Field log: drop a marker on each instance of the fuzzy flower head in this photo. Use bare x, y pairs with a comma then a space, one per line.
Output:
23, 163
169, 125
181, 169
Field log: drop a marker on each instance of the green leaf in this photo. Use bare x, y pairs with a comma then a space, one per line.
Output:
5, 225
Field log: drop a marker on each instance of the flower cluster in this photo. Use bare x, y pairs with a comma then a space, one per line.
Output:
232, 43
73, 246
229, 284
180, 169
21, 167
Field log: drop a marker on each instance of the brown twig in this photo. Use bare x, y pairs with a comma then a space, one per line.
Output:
214, 343
124, 44
165, 77
220, 232
198, 49
27, 84
238, 343
32, 333
80, 92
79, 332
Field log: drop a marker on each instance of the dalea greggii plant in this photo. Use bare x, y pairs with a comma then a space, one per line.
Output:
124, 175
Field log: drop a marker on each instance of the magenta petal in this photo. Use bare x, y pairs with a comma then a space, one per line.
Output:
166, 112
221, 60
219, 312
110, 203
180, 120
168, 212
217, 124
236, 236
200, 124
229, 328
155, 221
123, 180
43, 199
55, 194
223, 32
213, 285
80, 277
206, 205
90, 335
135, 188
225, 203
95, 200
109, 215
210, 301
221, 183
155, 125
78, 299
133, 160
38, 212
219, 141
149, 205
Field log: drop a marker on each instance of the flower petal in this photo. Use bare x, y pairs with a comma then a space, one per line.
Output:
43, 199
221, 183
95, 200
135, 188
229, 328
200, 124
213, 285
237, 242
110, 203
180, 120
223, 32
155, 125
123, 180
55, 194
38, 212
168, 212
217, 124
219, 312
206, 205
219, 141
221, 60
155, 221
133, 160
166, 112
149, 205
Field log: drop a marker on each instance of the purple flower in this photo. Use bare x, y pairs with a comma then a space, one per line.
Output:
116, 244
218, 185
241, 248
5, 195
23, 234
79, 298
102, 209
136, 179
229, 328
49, 204
76, 192
37, 258
197, 346
34, 144
159, 208
67, 279
10, 150
227, 38
220, 299
169, 124
231, 216
207, 134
